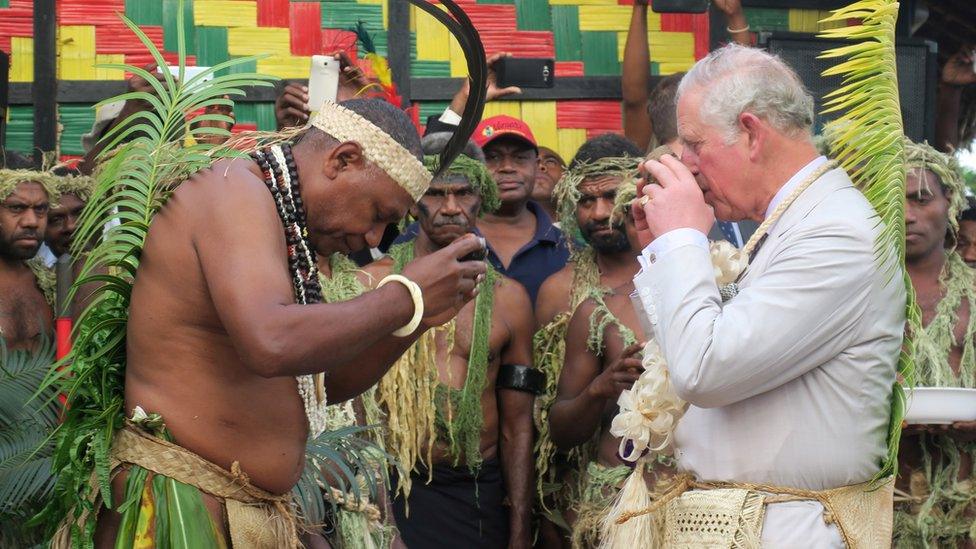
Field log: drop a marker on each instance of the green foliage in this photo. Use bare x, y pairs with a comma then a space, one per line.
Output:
867, 140
25, 446
969, 178
145, 159
343, 459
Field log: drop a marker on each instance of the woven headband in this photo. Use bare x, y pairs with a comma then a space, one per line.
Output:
346, 125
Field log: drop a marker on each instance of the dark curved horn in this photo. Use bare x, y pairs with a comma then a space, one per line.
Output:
474, 53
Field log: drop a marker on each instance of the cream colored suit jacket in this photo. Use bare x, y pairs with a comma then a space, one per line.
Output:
790, 381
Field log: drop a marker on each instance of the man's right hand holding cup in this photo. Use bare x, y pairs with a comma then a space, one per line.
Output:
448, 283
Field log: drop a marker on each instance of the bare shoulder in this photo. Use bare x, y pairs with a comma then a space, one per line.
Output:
579, 322
371, 274
553, 295
224, 188
512, 300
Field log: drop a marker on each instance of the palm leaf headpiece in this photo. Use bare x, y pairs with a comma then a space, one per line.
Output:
867, 139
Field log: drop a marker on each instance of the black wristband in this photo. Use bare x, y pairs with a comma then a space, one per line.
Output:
521, 378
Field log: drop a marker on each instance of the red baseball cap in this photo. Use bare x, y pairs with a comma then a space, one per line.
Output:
502, 125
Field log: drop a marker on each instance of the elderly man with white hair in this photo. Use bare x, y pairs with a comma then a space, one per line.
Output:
788, 372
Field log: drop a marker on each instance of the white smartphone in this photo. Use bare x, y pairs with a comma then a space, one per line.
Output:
323, 81
188, 73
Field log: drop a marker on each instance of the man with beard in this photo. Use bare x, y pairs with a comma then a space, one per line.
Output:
551, 168
457, 405
25, 309
936, 461
966, 245
603, 344
602, 258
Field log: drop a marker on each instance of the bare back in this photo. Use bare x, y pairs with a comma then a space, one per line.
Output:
182, 362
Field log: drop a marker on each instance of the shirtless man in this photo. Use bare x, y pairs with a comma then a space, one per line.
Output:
936, 462
215, 337
591, 381
25, 315
603, 260
612, 254
483, 500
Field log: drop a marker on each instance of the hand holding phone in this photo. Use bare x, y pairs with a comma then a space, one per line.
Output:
323, 81
525, 72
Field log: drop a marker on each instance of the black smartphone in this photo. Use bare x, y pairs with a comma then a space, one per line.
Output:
679, 6
526, 72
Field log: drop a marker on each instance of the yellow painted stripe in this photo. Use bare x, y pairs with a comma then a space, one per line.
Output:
225, 13
255, 40
459, 67
510, 108
285, 67
665, 68
109, 74
612, 18
570, 140
541, 117
21, 59
433, 39
76, 52
662, 45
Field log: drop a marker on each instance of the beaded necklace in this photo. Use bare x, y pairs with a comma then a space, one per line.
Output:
281, 177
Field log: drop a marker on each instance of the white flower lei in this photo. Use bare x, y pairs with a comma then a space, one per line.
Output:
650, 410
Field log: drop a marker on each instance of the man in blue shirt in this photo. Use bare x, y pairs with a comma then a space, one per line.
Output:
522, 242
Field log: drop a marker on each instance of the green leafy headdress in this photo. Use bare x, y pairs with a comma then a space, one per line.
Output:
567, 191
78, 185
477, 175
921, 156
9, 179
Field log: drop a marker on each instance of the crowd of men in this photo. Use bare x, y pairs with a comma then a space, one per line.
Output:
498, 408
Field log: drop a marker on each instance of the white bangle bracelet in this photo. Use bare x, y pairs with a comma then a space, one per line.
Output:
418, 302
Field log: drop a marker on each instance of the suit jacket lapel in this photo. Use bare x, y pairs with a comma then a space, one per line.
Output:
830, 182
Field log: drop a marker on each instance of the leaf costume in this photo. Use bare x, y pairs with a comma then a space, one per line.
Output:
939, 508
548, 343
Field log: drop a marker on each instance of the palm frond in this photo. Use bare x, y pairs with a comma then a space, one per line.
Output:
25, 445
867, 140
343, 459
141, 165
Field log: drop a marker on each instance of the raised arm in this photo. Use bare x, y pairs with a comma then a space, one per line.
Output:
735, 18
242, 254
635, 78
515, 415
584, 389
957, 73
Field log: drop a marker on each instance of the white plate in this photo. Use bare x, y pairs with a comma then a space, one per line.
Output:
940, 405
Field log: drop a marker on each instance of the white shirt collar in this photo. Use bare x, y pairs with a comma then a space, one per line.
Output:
797, 178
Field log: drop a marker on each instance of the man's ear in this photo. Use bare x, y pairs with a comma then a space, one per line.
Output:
414, 211
755, 130
345, 155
